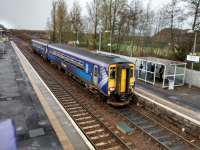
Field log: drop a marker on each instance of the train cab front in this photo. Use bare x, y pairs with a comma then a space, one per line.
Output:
121, 84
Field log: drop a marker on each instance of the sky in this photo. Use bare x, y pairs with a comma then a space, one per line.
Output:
33, 14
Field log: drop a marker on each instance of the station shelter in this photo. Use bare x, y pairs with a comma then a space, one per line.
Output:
161, 72
2, 32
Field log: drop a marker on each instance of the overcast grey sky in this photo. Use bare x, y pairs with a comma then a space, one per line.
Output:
33, 14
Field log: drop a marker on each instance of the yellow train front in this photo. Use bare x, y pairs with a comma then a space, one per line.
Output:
121, 83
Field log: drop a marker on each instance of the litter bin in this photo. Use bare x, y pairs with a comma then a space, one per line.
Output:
171, 84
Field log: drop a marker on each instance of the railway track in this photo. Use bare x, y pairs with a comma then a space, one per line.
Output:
167, 138
93, 127
100, 135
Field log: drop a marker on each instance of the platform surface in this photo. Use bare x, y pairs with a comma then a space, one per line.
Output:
183, 100
184, 96
19, 102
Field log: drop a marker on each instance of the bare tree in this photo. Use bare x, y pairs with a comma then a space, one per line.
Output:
94, 14
61, 16
173, 14
75, 17
135, 11
194, 10
160, 21
118, 6
53, 19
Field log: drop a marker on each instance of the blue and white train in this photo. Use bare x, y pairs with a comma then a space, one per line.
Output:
111, 76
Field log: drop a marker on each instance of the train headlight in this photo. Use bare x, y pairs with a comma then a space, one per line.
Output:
131, 86
112, 89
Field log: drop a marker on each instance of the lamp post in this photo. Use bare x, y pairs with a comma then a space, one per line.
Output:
193, 52
100, 27
110, 44
100, 39
77, 41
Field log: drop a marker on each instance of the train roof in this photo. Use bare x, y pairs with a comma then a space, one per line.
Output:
92, 55
40, 41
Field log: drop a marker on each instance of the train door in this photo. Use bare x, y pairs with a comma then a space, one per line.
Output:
123, 80
95, 75
45, 53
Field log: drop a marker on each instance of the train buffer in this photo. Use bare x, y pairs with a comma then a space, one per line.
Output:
124, 128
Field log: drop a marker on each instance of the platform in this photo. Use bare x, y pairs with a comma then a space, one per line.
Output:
182, 101
40, 121
19, 102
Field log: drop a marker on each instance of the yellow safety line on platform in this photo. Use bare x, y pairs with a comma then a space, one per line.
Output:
65, 142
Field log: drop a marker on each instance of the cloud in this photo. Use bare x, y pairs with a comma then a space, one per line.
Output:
7, 24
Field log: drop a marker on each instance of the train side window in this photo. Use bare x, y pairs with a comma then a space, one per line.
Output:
86, 68
112, 73
95, 71
131, 72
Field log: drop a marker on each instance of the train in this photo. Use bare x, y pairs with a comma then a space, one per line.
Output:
111, 77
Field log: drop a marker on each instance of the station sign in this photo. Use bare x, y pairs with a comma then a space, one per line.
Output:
193, 58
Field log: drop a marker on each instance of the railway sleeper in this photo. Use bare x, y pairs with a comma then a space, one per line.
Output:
63, 94
74, 108
55, 88
166, 140
72, 105
80, 114
66, 99
67, 102
150, 129
97, 131
91, 127
177, 142
180, 147
147, 126
94, 129
58, 92
100, 136
117, 147
151, 132
86, 122
77, 111
107, 144
169, 143
107, 140
136, 119
83, 118
142, 122
71, 102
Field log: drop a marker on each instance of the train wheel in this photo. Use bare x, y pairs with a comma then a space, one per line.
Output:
104, 98
134, 99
